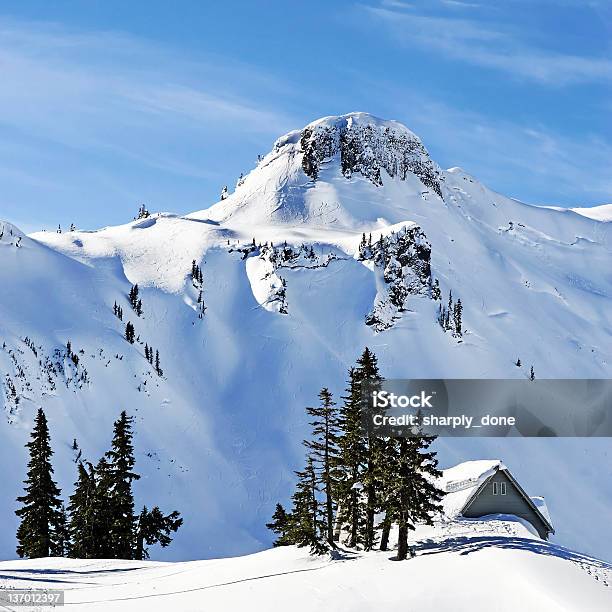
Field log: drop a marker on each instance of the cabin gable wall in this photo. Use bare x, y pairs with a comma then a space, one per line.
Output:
486, 502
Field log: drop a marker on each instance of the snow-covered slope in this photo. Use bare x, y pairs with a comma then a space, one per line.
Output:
468, 571
219, 434
599, 213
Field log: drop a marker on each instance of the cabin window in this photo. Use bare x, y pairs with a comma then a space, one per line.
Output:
502, 486
494, 488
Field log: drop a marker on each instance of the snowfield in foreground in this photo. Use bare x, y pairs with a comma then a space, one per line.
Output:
467, 565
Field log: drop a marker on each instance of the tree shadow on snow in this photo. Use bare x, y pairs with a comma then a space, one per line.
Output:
22, 573
466, 545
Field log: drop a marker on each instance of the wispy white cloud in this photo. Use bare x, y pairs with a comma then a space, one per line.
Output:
519, 159
88, 119
526, 160
460, 4
397, 4
107, 89
491, 45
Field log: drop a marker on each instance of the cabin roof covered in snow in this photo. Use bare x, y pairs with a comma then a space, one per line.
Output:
462, 482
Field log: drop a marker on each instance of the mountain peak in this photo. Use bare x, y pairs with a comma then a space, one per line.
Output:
304, 177
366, 145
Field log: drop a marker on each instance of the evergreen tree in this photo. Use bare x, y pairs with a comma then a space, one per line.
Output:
390, 450
157, 365
411, 495
154, 527
121, 465
531, 374
441, 315
369, 379
143, 213
324, 451
130, 332
103, 510
61, 545
363, 248
352, 456
82, 517
449, 311
457, 314
40, 531
281, 526
133, 296
436, 292
307, 524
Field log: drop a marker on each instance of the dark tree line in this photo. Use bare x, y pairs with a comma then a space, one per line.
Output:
134, 299
153, 358
196, 274
71, 355
100, 521
130, 332
197, 280
118, 311
450, 317
351, 476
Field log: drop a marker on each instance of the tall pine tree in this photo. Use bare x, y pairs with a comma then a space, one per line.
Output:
351, 506
103, 510
41, 531
153, 527
411, 495
324, 451
121, 470
281, 526
369, 379
82, 515
307, 527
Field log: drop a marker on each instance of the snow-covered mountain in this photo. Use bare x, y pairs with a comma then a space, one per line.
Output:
292, 295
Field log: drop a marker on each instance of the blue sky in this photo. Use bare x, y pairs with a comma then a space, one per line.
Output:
105, 104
